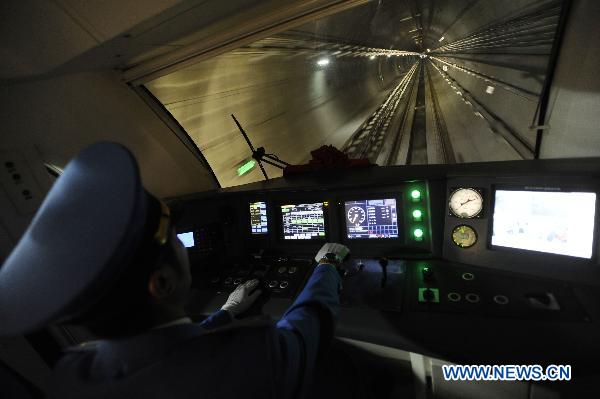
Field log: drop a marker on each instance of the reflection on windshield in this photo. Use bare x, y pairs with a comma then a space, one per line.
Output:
450, 81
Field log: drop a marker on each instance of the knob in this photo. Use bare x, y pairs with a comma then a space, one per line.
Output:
237, 281
228, 280
283, 285
282, 270
292, 270
272, 283
471, 297
454, 297
428, 274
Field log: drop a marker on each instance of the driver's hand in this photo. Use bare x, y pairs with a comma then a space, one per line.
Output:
332, 253
240, 299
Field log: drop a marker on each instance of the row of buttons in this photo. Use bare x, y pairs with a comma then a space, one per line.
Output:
289, 270
474, 298
272, 284
283, 284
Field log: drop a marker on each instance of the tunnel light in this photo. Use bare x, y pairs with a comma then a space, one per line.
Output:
372, 57
429, 50
389, 55
445, 68
323, 62
442, 38
490, 90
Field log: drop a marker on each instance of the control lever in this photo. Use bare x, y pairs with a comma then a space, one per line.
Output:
383, 262
263, 298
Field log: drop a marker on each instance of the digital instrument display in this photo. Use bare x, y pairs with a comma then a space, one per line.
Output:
187, 239
552, 222
375, 218
258, 218
303, 221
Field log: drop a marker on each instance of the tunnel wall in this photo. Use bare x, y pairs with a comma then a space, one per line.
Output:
574, 110
284, 100
498, 53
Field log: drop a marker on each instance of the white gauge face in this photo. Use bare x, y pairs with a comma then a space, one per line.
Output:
356, 215
466, 203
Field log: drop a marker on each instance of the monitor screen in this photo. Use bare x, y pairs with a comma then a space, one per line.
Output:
552, 222
303, 221
375, 218
258, 218
187, 239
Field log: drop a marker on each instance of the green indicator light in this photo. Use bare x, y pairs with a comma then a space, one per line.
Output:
246, 167
416, 195
417, 214
418, 233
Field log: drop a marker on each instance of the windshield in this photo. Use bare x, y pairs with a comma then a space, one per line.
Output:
396, 82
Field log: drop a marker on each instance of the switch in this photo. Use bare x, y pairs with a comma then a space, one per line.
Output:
471, 297
543, 300
454, 297
428, 274
468, 276
429, 295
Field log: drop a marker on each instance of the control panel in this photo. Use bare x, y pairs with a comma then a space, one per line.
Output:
503, 251
442, 287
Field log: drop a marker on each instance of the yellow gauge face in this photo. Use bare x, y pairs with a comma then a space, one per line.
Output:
465, 203
464, 236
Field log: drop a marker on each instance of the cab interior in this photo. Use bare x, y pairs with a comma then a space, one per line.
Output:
473, 234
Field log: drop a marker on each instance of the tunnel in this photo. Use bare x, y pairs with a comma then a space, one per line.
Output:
397, 82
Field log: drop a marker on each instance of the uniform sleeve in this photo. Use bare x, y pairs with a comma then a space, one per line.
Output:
217, 319
305, 328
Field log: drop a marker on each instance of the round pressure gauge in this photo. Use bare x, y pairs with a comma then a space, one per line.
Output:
465, 203
464, 236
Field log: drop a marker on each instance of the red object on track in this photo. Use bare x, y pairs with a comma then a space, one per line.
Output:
327, 157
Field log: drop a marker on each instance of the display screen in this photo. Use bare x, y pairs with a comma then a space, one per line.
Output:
258, 218
187, 239
553, 222
375, 218
303, 221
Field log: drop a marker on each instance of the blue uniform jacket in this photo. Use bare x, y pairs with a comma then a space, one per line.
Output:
219, 358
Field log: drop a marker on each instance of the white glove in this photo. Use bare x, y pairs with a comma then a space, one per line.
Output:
340, 251
240, 299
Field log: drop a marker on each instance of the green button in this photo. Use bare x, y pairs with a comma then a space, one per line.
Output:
417, 215
418, 234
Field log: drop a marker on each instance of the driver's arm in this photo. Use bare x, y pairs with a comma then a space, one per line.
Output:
307, 328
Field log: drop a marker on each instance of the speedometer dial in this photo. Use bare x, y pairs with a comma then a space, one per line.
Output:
356, 215
465, 203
